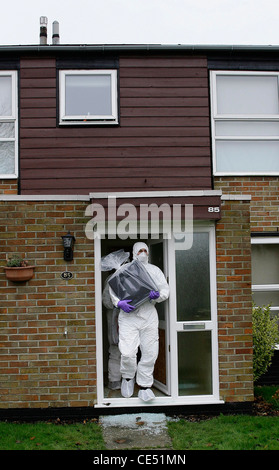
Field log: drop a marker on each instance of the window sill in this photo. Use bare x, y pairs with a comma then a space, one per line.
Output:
9, 177
88, 123
246, 173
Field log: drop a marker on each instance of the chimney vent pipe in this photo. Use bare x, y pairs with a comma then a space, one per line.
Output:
43, 30
55, 33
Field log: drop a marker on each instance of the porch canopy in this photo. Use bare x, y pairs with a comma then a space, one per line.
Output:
205, 204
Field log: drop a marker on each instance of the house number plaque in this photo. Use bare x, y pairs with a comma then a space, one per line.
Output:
67, 275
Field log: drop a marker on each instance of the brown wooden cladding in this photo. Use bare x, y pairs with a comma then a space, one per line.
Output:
201, 207
162, 142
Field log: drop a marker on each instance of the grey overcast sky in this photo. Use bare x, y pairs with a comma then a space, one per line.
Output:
247, 22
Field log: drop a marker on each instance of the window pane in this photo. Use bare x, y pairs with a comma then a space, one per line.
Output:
194, 363
265, 298
7, 129
5, 96
247, 128
7, 157
265, 265
247, 94
88, 95
193, 280
247, 156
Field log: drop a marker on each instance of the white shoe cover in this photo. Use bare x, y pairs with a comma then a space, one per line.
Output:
127, 388
146, 395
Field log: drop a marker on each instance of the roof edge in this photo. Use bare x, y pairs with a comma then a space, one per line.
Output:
138, 47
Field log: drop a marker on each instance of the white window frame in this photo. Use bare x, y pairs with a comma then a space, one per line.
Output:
84, 119
215, 117
266, 287
13, 118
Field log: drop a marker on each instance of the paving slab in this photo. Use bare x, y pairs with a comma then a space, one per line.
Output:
136, 431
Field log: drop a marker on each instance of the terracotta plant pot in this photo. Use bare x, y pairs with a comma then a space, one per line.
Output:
18, 274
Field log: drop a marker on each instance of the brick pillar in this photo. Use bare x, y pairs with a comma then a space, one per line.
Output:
235, 300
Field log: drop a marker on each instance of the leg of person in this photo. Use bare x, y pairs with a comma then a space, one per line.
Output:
128, 346
149, 345
114, 375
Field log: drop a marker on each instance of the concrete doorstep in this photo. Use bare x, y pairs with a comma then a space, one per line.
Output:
136, 431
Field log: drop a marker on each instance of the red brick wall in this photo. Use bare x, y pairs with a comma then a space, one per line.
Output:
8, 186
39, 365
264, 191
234, 301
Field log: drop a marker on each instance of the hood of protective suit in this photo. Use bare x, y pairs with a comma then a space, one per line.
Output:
142, 256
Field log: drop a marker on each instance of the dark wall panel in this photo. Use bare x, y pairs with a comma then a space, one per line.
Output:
162, 142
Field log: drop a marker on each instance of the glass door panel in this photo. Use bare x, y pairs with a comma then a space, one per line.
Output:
194, 363
193, 280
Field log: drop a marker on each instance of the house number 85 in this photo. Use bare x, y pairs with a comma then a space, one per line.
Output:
213, 209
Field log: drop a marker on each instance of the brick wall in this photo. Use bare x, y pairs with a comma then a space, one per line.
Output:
234, 301
40, 366
264, 202
8, 186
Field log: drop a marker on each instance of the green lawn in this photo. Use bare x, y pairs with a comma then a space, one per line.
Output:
227, 433
224, 432
51, 436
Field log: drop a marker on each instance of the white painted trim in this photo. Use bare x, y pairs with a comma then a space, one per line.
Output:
14, 118
92, 119
247, 173
271, 240
153, 194
265, 287
158, 401
10, 176
46, 197
214, 312
229, 117
98, 320
174, 398
77, 197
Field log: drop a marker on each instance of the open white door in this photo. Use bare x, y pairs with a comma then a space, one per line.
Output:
158, 256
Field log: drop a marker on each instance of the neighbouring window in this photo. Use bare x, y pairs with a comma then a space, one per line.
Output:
88, 97
245, 123
265, 272
8, 125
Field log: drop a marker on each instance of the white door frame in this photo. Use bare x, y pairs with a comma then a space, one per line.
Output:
211, 325
174, 398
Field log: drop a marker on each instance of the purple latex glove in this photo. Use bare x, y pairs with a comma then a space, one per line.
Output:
124, 305
154, 295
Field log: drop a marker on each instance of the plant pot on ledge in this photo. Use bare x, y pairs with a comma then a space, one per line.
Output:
18, 270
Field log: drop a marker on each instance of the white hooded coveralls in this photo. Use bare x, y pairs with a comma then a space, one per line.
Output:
139, 328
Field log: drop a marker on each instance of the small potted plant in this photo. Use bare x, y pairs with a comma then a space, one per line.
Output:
18, 269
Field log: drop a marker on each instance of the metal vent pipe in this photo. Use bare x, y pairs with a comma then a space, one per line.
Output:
43, 30
55, 33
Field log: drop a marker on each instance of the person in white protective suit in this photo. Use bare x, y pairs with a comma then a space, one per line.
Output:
138, 327
114, 375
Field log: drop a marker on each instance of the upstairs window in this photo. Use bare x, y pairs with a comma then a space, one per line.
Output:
88, 97
245, 123
8, 125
